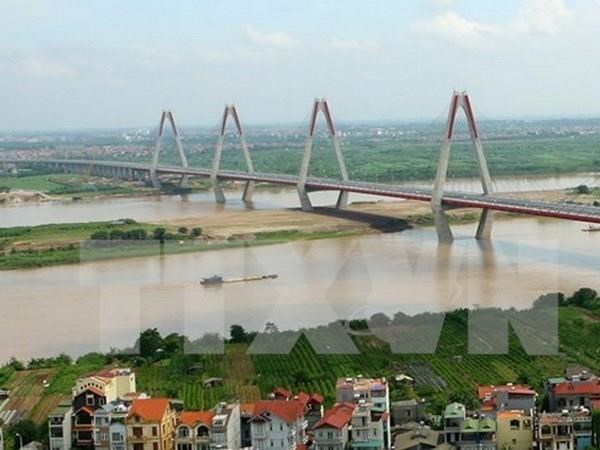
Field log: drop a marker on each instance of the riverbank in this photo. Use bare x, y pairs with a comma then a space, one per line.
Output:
49, 245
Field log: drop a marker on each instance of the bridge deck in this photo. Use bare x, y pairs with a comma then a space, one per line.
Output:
579, 213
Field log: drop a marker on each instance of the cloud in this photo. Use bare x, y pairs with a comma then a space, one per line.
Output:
35, 67
534, 16
541, 16
451, 26
277, 39
363, 46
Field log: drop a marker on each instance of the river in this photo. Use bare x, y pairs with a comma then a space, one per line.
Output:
98, 305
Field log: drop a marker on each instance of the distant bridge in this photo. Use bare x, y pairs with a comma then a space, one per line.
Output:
439, 199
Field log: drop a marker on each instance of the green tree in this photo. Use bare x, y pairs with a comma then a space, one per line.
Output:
182, 230
238, 334
100, 235
159, 234
584, 298
582, 189
149, 342
196, 231
173, 343
27, 429
137, 234
116, 235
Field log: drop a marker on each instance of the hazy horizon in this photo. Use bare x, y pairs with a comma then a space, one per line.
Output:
70, 65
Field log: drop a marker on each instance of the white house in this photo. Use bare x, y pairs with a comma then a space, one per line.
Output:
59, 427
225, 430
332, 432
278, 425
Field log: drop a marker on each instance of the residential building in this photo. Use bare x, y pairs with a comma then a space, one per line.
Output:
225, 431
515, 430
583, 429
574, 394
368, 430
508, 397
85, 404
478, 434
556, 431
332, 431
110, 432
405, 411
313, 403
150, 425
454, 416
278, 425
60, 426
246, 413
112, 383
193, 429
420, 438
374, 391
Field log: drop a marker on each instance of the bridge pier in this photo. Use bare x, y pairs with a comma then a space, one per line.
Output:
460, 100
231, 111
320, 105
167, 115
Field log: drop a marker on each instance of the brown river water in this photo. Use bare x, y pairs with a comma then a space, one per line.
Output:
98, 305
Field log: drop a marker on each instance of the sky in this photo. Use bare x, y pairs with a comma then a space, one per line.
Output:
70, 64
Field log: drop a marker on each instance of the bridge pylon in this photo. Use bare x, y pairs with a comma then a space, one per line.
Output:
231, 111
320, 105
460, 100
167, 116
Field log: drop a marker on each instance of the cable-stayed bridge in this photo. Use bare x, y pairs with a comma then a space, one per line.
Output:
439, 198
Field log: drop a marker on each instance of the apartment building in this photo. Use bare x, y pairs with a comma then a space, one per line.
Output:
60, 427
278, 425
110, 432
85, 405
368, 430
375, 392
225, 429
112, 383
468, 433
515, 430
332, 431
193, 430
150, 425
567, 430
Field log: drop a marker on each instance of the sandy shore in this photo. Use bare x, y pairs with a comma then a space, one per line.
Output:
359, 217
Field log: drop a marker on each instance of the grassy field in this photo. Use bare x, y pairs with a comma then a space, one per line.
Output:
55, 244
449, 374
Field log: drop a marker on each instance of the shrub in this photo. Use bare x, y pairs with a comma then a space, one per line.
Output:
100, 235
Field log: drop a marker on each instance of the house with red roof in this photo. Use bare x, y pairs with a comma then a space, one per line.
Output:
332, 431
313, 403
573, 395
508, 397
151, 424
279, 425
192, 432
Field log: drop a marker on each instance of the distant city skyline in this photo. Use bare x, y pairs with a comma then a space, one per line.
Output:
109, 64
